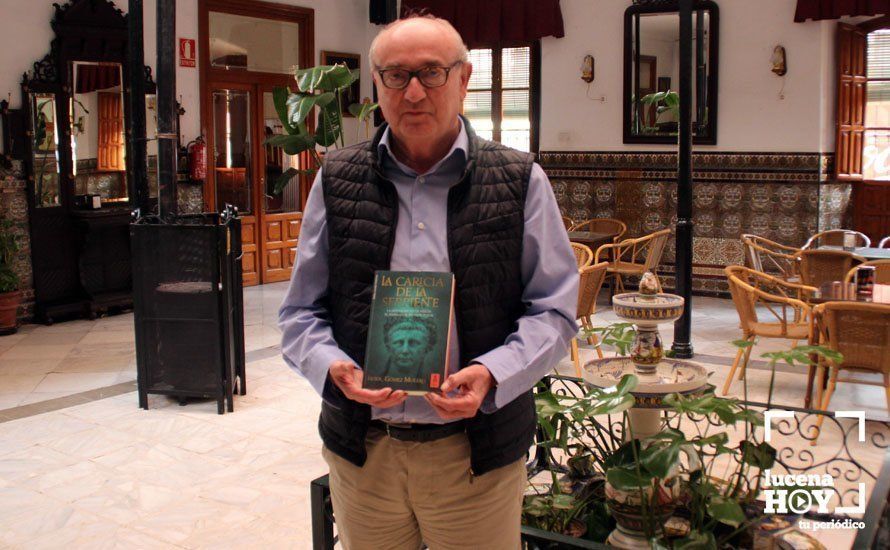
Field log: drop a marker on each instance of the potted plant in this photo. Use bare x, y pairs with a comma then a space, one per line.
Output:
319, 87
10, 296
674, 472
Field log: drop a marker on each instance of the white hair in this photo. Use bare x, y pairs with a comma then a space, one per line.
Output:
463, 52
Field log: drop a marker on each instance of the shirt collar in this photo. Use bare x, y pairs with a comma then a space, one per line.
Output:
461, 143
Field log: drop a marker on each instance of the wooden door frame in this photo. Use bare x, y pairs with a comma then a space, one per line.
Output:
305, 17
858, 191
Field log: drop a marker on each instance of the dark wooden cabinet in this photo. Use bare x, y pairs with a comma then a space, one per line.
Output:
77, 107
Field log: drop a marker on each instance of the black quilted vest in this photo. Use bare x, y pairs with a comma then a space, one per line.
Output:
485, 229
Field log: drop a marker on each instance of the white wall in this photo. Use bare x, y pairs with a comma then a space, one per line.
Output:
751, 115
25, 35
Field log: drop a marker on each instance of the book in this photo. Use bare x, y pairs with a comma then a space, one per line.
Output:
409, 331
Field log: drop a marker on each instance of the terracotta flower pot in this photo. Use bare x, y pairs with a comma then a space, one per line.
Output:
9, 307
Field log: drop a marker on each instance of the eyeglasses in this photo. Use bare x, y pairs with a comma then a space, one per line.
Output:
430, 77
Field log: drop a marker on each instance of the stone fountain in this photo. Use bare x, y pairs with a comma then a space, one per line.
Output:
658, 376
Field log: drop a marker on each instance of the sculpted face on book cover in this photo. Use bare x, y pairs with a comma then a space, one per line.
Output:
408, 340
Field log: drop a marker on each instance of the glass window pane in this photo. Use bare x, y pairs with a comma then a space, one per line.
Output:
515, 120
252, 43
231, 136
481, 77
878, 54
477, 109
515, 67
876, 155
280, 195
877, 108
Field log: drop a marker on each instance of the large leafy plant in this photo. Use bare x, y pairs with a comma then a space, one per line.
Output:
318, 89
719, 506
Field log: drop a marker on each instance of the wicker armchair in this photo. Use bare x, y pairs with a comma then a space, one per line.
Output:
861, 332
882, 271
592, 278
583, 254
783, 303
769, 256
885, 242
603, 225
568, 222
824, 266
834, 237
633, 256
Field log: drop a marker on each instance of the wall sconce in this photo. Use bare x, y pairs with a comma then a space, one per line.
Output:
778, 61
587, 69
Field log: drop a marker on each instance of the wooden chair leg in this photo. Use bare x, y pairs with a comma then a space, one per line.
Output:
832, 383
575, 358
745, 362
732, 369
819, 383
593, 340
811, 375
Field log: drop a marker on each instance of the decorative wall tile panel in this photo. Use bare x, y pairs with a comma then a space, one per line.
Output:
14, 206
785, 197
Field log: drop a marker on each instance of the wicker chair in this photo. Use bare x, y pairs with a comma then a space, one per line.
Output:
824, 266
591, 283
885, 242
603, 225
861, 332
834, 237
633, 256
568, 222
583, 254
769, 256
882, 271
754, 292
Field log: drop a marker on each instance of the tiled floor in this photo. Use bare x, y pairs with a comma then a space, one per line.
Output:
82, 466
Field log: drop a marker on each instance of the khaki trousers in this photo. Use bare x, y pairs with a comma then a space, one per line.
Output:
412, 492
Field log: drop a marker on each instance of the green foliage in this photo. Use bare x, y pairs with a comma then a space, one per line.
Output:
318, 89
619, 335
9, 246
665, 102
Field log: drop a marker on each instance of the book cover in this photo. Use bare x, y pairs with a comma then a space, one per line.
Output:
408, 332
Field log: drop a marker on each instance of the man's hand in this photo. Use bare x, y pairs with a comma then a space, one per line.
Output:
349, 379
471, 383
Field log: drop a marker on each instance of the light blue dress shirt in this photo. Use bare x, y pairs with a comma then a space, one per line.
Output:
549, 276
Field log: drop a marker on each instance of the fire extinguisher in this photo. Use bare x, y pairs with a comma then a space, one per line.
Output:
197, 150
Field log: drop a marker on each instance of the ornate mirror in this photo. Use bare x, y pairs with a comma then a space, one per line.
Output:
651, 71
96, 117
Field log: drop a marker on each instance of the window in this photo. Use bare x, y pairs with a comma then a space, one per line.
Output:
501, 102
876, 151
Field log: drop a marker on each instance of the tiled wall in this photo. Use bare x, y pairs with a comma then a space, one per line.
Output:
14, 206
785, 197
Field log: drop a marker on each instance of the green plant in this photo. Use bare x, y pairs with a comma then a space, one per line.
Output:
317, 87
9, 245
716, 503
664, 102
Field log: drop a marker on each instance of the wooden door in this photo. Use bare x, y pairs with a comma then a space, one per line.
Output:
281, 203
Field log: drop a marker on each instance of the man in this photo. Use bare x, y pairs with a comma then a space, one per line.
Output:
426, 194
407, 340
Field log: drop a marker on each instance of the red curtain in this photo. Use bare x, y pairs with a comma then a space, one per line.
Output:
493, 22
96, 77
835, 9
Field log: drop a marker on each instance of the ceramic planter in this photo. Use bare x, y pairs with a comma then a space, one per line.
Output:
9, 307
